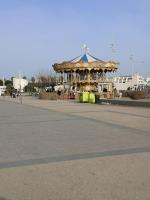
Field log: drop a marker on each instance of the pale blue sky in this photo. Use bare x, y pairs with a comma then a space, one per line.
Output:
36, 33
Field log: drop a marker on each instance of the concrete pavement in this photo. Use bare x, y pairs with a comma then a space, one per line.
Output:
66, 150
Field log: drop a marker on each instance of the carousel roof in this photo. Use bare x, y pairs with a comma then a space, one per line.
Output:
85, 61
85, 58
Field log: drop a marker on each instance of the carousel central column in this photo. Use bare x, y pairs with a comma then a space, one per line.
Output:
89, 76
56, 78
97, 76
63, 77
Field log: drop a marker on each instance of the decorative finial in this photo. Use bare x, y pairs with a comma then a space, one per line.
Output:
85, 48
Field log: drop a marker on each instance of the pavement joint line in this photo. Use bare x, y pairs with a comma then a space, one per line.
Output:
37, 108
32, 122
83, 156
16, 115
135, 130
131, 114
124, 113
7, 100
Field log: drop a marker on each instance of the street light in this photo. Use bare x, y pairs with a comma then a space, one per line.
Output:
131, 60
113, 49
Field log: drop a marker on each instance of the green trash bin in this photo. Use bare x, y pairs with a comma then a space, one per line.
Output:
91, 97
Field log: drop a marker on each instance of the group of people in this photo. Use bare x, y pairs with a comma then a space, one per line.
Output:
15, 94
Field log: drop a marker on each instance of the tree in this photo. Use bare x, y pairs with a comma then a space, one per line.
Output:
1, 82
12, 78
9, 88
30, 88
8, 82
33, 79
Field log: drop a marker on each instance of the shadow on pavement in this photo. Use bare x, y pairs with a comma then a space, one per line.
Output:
3, 198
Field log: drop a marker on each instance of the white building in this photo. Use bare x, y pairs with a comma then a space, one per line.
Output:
20, 83
2, 90
148, 81
133, 82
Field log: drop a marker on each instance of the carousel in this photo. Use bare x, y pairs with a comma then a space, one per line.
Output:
86, 73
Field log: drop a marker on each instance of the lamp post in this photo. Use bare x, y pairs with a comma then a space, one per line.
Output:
132, 70
114, 53
131, 62
113, 50
20, 88
3, 81
49, 78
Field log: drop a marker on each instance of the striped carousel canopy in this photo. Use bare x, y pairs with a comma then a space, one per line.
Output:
85, 58
85, 61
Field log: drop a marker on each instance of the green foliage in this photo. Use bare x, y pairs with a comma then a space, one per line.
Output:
33, 79
8, 82
1, 82
24, 77
12, 78
9, 88
30, 88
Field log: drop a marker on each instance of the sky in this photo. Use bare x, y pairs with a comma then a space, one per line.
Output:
34, 34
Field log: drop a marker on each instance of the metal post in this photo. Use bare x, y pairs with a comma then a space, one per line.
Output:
131, 60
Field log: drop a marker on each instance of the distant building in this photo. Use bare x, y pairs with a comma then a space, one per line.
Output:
134, 82
20, 83
148, 81
2, 90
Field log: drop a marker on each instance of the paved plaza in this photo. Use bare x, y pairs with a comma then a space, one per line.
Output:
65, 150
